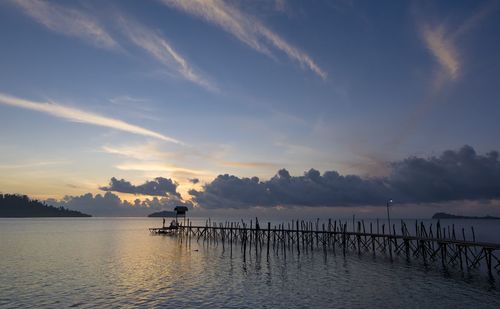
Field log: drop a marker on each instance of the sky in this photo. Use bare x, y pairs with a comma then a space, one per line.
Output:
124, 107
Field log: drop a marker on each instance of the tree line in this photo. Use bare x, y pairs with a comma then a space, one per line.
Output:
18, 206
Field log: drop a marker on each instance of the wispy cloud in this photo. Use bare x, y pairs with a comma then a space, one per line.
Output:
446, 45
32, 164
67, 21
442, 47
77, 115
246, 28
158, 167
442, 40
77, 23
160, 49
148, 151
250, 164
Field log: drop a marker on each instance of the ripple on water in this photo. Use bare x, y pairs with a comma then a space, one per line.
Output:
81, 264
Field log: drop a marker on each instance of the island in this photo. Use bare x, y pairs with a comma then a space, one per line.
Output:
21, 206
160, 214
443, 215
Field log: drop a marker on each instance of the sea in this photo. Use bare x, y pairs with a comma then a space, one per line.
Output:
117, 263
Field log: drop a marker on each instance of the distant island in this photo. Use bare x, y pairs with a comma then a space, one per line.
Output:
164, 213
443, 215
21, 206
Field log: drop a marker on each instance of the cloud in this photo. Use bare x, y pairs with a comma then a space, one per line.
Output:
443, 49
159, 48
32, 164
312, 189
444, 41
67, 21
158, 187
139, 151
248, 164
452, 176
76, 23
194, 180
158, 167
77, 115
246, 28
280, 5
110, 204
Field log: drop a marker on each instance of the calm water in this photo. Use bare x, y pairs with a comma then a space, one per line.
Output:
93, 262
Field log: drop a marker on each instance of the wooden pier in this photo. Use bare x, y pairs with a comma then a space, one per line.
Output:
441, 245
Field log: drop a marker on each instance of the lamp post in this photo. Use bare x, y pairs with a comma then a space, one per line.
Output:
389, 202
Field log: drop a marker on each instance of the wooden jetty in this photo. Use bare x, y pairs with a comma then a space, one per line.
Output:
441, 245
163, 230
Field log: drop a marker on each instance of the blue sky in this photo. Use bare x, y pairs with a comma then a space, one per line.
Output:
193, 89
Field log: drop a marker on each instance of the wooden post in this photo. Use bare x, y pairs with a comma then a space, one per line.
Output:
343, 239
302, 232
223, 238
407, 249
364, 231
443, 254
460, 255
487, 255
256, 238
383, 237
466, 248
268, 237
297, 236
274, 237
250, 235
231, 238
244, 243
390, 243
323, 237
329, 233
359, 238
317, 232
422, 245
288, 235
312, 237
284, 240
334, 234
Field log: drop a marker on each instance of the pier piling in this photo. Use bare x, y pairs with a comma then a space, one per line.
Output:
301, 236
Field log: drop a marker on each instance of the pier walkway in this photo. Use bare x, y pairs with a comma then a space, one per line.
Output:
440, 245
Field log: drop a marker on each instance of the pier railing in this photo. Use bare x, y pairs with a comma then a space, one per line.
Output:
297, 237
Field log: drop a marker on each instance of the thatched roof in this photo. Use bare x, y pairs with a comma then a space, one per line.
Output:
181, 209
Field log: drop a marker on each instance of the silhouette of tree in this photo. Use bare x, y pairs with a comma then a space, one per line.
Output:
18, 206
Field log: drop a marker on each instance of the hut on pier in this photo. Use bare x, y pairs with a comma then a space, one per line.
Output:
180, 212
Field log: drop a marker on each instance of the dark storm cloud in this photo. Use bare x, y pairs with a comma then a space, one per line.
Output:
452, 176
194, 180
158, 187
311, 189
110, 204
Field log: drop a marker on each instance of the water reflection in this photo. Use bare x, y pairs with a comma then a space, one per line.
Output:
116, 262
